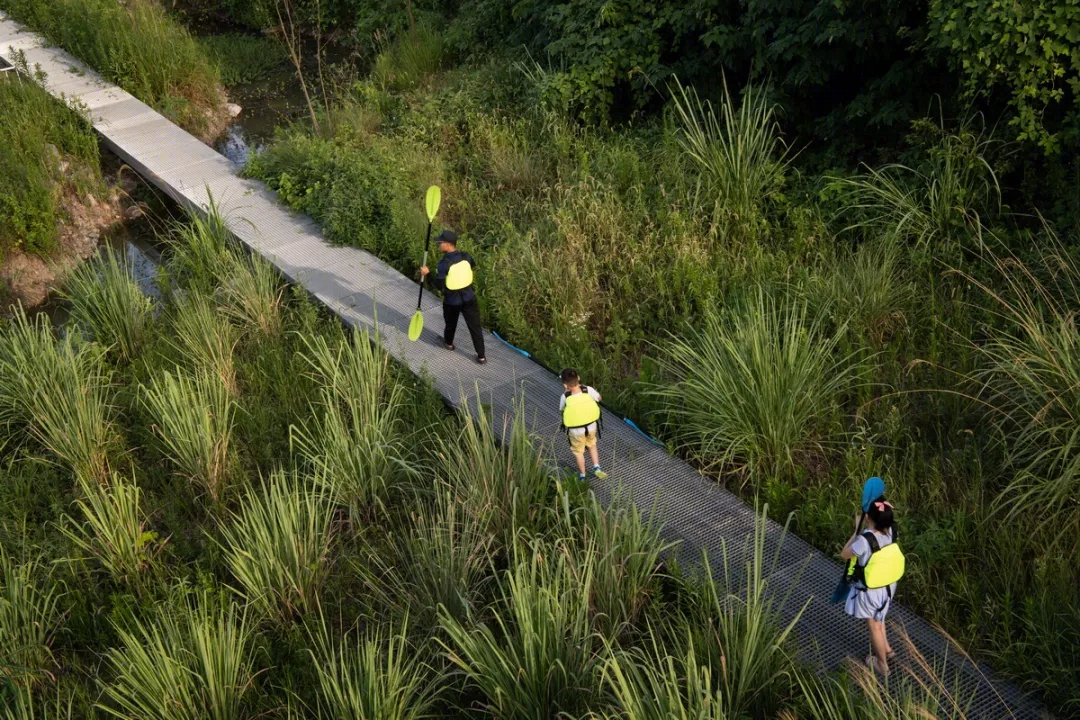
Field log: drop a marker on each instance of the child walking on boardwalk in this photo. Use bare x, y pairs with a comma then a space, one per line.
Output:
580, 410
875, 565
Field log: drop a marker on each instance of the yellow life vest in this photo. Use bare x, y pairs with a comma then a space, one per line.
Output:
459, 275
580, 410
886, 564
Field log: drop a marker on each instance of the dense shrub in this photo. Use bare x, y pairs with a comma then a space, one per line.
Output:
49, 150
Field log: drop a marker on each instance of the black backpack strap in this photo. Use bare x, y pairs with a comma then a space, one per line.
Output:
872, 541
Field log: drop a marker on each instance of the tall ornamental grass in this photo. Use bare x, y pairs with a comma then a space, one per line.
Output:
278, 545
30, 614
374, 676
200, 250
358, 443
113, 531
252, 293
504, 481
624, 551
191, 659
106, 301
936, 205
656, 686
1031, 374
135, 44
923, 690
441, 564
194, 418
537, 658
741, 631
751, 390
206, 339
60, 389
738, 149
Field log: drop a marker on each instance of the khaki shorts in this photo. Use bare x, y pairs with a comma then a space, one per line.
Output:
578, 443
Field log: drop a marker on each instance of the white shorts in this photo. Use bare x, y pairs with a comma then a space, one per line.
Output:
869, 604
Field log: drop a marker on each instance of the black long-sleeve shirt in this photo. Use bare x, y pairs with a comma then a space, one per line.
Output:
438, 279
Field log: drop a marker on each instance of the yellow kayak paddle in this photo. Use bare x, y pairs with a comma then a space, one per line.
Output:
434, 197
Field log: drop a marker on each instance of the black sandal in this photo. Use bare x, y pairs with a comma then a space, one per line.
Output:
448, 346
481, 360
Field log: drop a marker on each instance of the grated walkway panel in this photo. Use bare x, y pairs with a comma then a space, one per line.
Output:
367, 293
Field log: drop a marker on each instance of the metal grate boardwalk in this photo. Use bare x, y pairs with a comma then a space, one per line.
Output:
365, 292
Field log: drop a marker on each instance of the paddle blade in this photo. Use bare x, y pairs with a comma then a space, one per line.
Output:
416, 326
841, 591
871, 491
434, 198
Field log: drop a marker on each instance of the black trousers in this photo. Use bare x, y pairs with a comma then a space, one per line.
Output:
471, 311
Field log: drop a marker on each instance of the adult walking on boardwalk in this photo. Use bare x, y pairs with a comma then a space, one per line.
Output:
875, 564
454, 275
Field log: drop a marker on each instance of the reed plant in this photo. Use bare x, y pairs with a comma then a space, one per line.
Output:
114, 531
624, 550
59, 388
252, 294
278, 545
372, 676
654, 685
135, 44
538, 657
749, 392
1031, 376
20, 703
106, 301
194, 418
442, 563
193, 658
501, 476
740, 631
200, 255
358, 443
738, 149
206, 339
30, 614
936, 205
920, 690
410, 59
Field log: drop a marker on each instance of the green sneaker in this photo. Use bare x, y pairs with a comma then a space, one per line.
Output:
598, 473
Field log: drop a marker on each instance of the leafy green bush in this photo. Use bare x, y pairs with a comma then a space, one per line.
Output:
348, 189
137, 46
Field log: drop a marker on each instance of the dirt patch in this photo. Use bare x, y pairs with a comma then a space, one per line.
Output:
30, 279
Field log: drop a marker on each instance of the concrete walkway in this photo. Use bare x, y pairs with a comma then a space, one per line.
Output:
362, 290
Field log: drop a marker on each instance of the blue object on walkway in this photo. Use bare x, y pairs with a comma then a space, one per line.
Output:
644, 434
511, 345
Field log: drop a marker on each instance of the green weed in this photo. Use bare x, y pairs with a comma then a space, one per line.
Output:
106, 301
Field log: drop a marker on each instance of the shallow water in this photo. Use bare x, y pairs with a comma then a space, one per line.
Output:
136, 243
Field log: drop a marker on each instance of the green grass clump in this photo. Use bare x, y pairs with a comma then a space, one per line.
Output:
751, 391
114, 531
192, 660
58, 388
136, 45
278, 546
194, 417
371, 677
29, 617
410, 59
107, 302
40, 136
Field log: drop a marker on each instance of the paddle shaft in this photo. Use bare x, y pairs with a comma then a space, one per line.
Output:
427, 245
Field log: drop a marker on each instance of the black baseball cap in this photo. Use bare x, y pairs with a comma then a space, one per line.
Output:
447, 236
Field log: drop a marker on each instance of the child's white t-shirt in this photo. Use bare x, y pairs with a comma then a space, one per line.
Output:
591, 427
